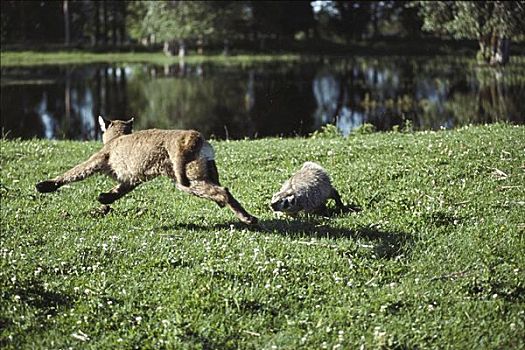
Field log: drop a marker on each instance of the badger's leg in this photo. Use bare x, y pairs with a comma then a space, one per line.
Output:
115, 193
94, 164
337, 198
221, 196
321, 210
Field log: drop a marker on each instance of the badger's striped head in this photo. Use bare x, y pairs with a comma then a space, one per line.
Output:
285, 202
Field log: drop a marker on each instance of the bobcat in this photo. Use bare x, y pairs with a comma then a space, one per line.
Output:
133, 158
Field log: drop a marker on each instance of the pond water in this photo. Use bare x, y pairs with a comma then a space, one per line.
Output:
271, 99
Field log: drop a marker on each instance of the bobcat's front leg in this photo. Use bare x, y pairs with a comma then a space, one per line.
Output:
116, 192
47, 186
95, 163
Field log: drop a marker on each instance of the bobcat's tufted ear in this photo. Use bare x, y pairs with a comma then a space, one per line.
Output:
128, 126
104, 124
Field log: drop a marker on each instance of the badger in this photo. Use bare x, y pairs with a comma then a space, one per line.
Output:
308, 189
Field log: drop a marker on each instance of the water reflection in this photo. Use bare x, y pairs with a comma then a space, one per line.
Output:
263, 100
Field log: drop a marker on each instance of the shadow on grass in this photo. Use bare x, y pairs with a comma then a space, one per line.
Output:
33, 295
385, 244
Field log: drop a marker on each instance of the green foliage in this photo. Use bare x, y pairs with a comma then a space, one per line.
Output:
181, 20
328, 131
364, 129
434, 260
492, 23
473, 19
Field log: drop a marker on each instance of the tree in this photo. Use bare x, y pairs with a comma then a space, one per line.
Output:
492, 23
354, 18
408, 18
281, 19
66, 22
173, 21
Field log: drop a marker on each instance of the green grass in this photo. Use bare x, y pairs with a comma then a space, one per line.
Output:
35, 58
435, 259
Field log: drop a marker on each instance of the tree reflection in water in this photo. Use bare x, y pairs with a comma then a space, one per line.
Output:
260, 100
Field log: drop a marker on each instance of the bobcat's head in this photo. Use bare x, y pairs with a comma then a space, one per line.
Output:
114, 128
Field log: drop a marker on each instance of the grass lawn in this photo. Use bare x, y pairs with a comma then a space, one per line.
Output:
435, 259
36, 58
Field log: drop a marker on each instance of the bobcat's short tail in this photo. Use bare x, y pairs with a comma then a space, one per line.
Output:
208, 154
207, 151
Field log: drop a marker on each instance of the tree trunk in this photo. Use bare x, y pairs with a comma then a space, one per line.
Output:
122, 26
114, 23
97, 23
167, 48
105, 22
182, 49
494, 50
65, 7
200, 45
500, 51
226, 47
375, 19
23, 24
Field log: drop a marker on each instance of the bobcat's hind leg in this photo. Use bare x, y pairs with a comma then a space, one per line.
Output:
213, 173
77, 173
221, 196
184, 152
179, 168
116, 192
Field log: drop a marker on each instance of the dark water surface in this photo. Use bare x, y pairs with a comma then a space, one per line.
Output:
63, 102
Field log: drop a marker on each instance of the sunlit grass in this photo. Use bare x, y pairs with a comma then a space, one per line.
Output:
434, 260
34, 58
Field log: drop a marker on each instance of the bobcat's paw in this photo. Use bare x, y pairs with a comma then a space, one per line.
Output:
106, 198
249, 220
47, 186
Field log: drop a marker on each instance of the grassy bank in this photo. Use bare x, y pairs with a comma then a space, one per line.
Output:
434, 260
36, 58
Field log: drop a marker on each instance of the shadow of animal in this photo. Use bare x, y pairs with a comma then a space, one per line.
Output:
385, 244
